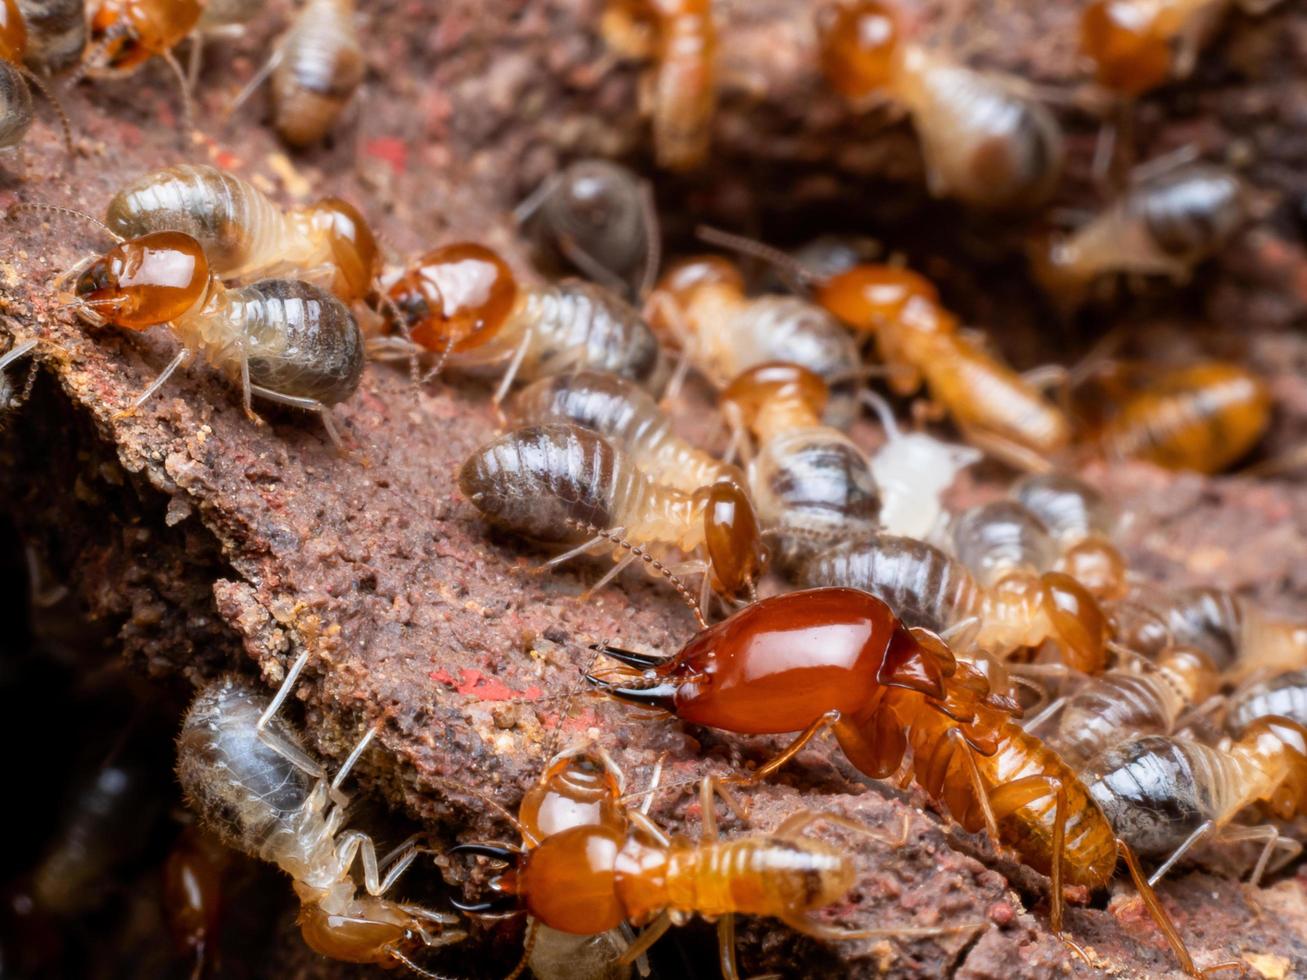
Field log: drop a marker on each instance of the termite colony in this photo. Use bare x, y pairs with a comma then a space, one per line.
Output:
775, 435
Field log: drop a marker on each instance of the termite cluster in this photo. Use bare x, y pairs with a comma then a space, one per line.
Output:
784, 459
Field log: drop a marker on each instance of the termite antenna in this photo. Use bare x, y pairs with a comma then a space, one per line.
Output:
653, 241
417, 970
93, 58
184, 91
787, 266
880, 406
528, 946
65, 124
568, 697
649, 560
68, 212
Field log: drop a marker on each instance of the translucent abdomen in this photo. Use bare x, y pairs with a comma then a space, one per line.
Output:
1069, 508
626, 416
1190, 212
1111, 707
1285, 695
1157, 790
998, 538
322, 63
924, 586
542, 480
813, 487
239, 228
575, 324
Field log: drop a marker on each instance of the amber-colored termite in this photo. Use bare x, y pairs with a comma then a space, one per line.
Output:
682, 86
812, 485
986, 141
192, 895
462, 303
1081, 523
839, 659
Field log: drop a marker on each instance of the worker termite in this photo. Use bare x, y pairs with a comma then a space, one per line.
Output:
1161, 226
192, 894
1136, 45
15, 76
1241, 637
1122, 703
286, 341
839, 659
700, 306
1201, 417
1081, 523
629, 418
812, 485
1285, 694
462, 303
682, 86
247, 776
598, 217
125, 34
1164, 794
933, 590
314, 69
984, 139
244, 234
564, 484
597, 877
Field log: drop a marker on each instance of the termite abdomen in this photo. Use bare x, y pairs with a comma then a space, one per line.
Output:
15, 106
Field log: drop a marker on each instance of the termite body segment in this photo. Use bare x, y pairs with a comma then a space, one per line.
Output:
316, 68
283, 340
248, 777
16, 51
463, 303
629, 418
811, 483
985, 140
1285, 694
245, 234
1081, 523
56, 33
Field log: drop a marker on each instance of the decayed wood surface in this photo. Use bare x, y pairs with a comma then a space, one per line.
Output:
211, 544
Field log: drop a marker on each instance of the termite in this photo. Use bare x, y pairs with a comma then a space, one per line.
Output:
560, 483
286, 341
1201, 417
933, 590
462, 303
15, 77
1122, 703
682, 86
1162, 226
1164, 794
839, 659
629, 418
192, 894
244, 234
1137, 45
700, 306
1285, 694
812, 485
56, 33
246, 774
597, 877
315, 68
1081, 523
984, 139
598, 217
125, 34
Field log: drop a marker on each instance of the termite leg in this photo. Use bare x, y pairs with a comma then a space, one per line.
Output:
726, 947
514, 365
789, 752
1202, 831
612, 573
178, 360
796, 823
576, 552
15, 352
1011, 797
1274, 841
1007, 451
652, 933
307, 404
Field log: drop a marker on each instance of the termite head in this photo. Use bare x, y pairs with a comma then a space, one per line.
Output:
456, 297
686, 282
353, 247
1098, 565
1128, 46
1275, 737
779, 664
860, 44
733, 539
124, 35
775, 382
13, 33
145, 281
868, 296
372, 936
577, 789
1078, 622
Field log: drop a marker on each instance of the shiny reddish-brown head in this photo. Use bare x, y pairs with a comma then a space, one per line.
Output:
145, 281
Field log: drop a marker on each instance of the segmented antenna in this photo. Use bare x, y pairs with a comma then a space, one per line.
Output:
796, 276
67, 212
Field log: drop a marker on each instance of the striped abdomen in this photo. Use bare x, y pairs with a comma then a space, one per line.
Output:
576, 324
752, 876
56, 33
627, 417
15, 106
1285, 695
1089, 849
1191, 212
543, 481
924, 586
1111, 707
997, 538
321, 65
241, 230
